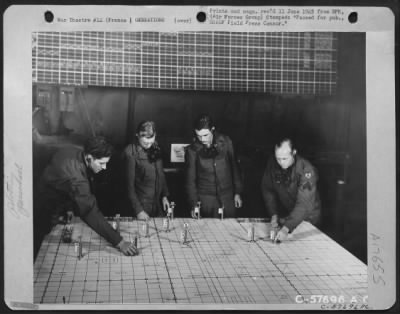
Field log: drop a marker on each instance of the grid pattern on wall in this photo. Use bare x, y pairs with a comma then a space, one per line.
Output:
274, 62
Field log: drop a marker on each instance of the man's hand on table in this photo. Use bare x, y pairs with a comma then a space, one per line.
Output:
274, 221
282, 234
143, 215
127, 248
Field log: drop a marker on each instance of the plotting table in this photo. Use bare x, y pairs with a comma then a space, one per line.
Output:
217, 265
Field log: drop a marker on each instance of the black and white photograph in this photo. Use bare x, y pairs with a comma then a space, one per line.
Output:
199, 168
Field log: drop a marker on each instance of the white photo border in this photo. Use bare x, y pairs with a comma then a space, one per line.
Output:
377, 22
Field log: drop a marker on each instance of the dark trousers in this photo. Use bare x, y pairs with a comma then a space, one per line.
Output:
211, 203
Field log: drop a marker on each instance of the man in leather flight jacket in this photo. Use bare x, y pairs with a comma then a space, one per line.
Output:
212, 174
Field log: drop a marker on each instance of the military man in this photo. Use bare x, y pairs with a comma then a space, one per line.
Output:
289, 189
67, 184
212, 173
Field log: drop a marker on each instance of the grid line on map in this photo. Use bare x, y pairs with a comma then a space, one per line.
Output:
218, 265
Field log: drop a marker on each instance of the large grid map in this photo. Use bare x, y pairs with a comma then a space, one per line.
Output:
274, 62
217, 265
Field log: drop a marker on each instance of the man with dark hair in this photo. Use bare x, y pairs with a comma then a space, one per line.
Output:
212, 174
289, 189
67, 184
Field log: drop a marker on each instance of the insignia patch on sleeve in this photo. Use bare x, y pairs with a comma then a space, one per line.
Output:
307, 186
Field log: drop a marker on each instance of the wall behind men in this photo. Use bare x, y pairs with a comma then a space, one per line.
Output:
330, 124
253, 120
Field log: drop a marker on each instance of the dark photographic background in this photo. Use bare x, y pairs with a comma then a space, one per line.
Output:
330, 131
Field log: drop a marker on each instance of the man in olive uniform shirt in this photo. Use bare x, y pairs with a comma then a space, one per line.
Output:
289, 189
66, 185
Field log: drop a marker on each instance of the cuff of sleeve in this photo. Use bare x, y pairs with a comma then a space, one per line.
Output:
291, 225
138, 210
120, 243
238, 191
118, 240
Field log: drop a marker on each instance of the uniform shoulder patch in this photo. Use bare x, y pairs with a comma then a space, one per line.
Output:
307, 186
308, 179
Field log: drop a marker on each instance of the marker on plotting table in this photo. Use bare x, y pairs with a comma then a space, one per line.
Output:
250, 232
67, 234
272, 234
78, 248
171, 210
146, 228
221, 212
197, 210
184, 233
134, 242
166, 224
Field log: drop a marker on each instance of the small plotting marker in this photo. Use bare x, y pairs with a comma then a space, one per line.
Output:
171, 210
166, 224
272, 234
146, 228
80, 247
197, 210
67, 234
135, 242
250, 232
184, 233
221, 212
